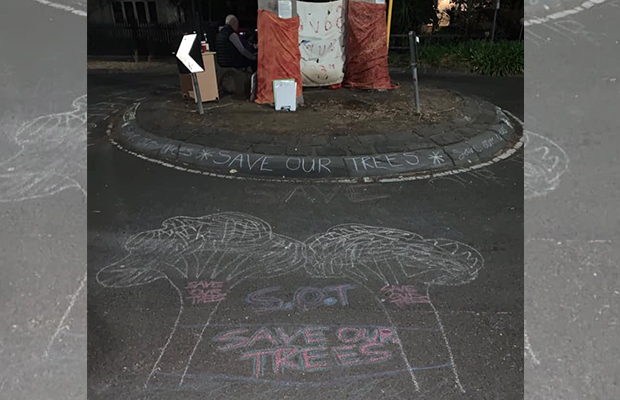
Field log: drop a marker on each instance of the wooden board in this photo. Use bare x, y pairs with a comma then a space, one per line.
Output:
207, 80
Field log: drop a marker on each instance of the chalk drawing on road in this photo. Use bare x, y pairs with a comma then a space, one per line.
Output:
305, 298
5, 70
391, 257
98, 114
310, 349
219, 251
229, 247
559, 14
528, 351
63, 327
545, 163
563, 26
51, 156
567, 29
314, 164
324, 194
481, 176
347, 389
74, 7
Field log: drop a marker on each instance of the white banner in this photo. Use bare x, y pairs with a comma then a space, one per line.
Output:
322, 42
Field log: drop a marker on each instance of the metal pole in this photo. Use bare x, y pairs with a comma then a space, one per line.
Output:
414, 68
389, 23
495, 20
197, 93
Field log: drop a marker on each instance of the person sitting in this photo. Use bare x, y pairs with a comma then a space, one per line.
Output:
231, 53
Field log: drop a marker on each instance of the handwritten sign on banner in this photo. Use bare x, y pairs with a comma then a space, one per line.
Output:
321, 42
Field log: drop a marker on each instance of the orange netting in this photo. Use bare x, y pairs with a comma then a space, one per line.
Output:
367, 52
278, 54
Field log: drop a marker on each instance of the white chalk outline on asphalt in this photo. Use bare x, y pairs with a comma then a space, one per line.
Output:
61, 325
63, 7
528, 351
495, 160
562, 14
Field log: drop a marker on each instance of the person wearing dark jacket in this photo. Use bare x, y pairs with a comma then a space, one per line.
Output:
230, 50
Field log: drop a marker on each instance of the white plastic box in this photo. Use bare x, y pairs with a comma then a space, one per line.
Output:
285, 94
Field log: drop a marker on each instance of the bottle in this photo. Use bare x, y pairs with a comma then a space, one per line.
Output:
206, 42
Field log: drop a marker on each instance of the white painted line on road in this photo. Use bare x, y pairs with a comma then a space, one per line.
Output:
562, 14
63, 7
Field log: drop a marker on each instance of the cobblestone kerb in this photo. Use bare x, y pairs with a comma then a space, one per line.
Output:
500, 133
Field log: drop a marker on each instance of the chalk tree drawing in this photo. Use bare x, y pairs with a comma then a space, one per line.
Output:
232, 247
380, 257
228, 247
51, 156
545, 163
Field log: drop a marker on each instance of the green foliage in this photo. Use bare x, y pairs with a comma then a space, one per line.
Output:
479, 56
500, 58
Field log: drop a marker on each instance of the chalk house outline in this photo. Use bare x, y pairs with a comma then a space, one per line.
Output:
233, 247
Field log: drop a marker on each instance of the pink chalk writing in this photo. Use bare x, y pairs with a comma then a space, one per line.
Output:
308, 336
315, 335
202, 292
284, 358
265, 335
349, 335
233, 337
304, 299
309, 349
346, 355
288, 339
314, 359
374, 356
403, 295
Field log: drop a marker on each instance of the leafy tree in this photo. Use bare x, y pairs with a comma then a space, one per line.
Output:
409, 15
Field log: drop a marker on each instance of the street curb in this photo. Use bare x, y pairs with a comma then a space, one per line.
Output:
499, 137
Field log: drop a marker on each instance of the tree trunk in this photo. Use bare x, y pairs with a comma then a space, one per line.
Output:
175, 357
425, 350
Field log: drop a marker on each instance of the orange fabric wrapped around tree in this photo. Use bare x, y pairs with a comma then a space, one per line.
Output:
367, 52
278, 54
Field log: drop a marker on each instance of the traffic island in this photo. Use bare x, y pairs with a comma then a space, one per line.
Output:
339, 134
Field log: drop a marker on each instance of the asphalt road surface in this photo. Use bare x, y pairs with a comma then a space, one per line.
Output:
572, 219
42, 202
237, 289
